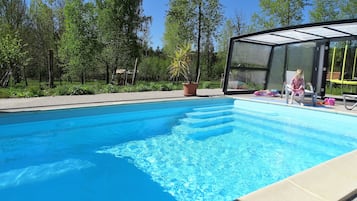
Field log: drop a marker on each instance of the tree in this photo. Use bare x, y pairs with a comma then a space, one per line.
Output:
120, 22
189, 22
349, 9
79, 41
178, 25
13, 57
327, 10
172, 37
212, 18
43, 35
324, 10
13, 13
12, 20
279, 13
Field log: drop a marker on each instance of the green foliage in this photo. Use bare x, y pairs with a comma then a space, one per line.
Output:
181, 63
109, 88
11, 50
36, 90
210, 84
327, 10
42, 36
4, 93
153, 68
13, 57
324, 10
180, 24
79, 42
60, 90
348, 9
33, 91
81, 90
119, 22
279, 13
195, 22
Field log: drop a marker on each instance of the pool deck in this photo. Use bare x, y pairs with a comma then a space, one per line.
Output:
333, 180
62, 102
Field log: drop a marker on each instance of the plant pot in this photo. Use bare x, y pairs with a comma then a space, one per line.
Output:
190, 89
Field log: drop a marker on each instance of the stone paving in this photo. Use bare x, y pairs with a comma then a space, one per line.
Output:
60, 102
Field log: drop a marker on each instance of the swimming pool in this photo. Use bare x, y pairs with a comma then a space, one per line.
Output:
208, 149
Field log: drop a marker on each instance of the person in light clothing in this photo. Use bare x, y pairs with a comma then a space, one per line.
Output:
297, 85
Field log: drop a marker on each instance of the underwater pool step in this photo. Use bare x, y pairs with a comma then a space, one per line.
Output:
282, 124
282, 127
261, 133
208, 114
197, 123
211, 131
292, 136
213, 108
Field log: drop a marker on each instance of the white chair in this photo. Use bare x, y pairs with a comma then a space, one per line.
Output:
288, 90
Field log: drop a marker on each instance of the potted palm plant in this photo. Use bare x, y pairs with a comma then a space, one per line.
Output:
180, 66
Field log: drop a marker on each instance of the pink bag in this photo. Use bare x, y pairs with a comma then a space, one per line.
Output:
329, 101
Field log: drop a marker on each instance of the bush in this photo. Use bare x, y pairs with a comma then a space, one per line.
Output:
61, 90
142, 87
210, 84
81, 90
4, 94
165, 87
107, 88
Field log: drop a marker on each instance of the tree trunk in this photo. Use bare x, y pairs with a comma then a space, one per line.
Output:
198, 42
107, 72
82, 77
25, 77
50, 69
134, 72
5, 79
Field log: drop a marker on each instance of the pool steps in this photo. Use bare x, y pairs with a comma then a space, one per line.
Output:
206, 122
286, 126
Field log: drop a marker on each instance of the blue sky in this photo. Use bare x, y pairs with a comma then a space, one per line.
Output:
158, 8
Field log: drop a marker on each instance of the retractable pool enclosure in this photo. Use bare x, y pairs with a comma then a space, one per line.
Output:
260, 60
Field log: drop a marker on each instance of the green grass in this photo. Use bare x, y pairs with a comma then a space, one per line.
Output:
338, 90
36, 89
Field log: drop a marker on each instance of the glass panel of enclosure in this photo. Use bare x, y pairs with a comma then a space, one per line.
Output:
343, 53
248, 66
276, 78
241, 79
250, 55
301, 56
342, 66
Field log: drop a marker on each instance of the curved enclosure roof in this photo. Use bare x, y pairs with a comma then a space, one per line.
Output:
303, 33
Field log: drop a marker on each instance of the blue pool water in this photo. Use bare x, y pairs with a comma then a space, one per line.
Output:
208, 149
